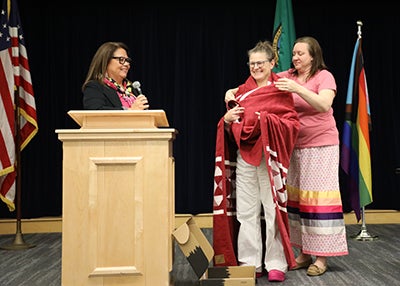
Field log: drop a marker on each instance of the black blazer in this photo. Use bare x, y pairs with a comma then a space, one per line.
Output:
98, 96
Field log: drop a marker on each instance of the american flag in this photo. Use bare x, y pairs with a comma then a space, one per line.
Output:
15, 79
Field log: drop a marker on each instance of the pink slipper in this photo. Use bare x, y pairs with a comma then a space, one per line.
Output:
276, 275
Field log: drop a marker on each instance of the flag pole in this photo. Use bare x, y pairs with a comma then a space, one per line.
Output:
19, 242
363, 234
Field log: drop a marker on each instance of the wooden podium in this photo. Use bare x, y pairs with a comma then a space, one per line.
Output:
118, 199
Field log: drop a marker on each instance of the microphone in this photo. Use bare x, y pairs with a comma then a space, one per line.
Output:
136, 88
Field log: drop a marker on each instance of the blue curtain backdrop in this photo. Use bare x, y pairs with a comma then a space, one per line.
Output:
185, 58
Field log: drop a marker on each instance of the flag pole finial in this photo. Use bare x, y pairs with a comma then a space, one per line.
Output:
359, 24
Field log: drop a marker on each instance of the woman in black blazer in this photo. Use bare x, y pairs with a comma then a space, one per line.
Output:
106, 86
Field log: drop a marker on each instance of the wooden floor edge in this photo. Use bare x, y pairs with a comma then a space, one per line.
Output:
54, 224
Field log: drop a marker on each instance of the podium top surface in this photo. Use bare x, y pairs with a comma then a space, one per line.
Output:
119, 118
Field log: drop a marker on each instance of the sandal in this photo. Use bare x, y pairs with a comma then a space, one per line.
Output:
314, 270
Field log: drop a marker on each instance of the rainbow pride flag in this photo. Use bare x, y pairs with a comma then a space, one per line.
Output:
356, 150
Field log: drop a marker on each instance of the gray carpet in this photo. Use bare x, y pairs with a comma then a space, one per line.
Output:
369, 263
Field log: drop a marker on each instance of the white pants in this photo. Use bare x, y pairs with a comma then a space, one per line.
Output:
253, 190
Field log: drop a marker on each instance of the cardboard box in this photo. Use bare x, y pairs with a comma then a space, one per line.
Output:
199, 252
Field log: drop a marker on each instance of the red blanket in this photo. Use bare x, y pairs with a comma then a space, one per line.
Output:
273, 133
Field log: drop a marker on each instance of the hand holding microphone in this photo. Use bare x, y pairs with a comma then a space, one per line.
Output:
141, 102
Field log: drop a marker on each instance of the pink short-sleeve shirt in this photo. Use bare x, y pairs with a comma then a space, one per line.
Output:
316, 128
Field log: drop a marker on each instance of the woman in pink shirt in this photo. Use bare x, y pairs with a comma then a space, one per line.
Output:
316, 220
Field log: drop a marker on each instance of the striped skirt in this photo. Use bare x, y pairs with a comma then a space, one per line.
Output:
314, 202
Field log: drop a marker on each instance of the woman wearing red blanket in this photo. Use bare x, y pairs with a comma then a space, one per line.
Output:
263, 126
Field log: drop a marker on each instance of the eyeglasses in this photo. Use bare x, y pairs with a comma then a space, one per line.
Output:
259, 64
122, 60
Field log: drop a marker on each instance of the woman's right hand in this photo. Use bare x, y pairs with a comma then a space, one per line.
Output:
140, 103
233, 114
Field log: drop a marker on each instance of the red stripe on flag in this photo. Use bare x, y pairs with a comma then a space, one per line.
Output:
362, 108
